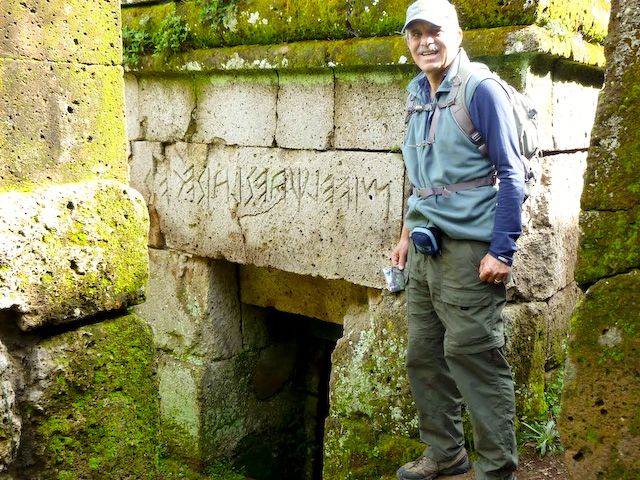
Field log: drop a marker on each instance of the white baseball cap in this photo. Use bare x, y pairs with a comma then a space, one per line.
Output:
437, 12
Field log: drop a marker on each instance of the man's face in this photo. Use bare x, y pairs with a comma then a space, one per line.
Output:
433, 48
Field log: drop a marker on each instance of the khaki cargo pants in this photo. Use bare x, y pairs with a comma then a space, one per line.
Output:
455, 354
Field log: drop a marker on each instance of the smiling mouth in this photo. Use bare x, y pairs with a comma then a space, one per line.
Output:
427, 51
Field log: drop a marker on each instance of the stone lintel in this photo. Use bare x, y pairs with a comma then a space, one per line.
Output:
263, 22
372, 52
334, 214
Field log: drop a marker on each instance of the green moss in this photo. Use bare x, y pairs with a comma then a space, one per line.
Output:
100, 430
602, 383
264, 22
378, 52
527, 356
87, 269
610, 244
179, 444
610, 223
612, 159
87, 140
354, 451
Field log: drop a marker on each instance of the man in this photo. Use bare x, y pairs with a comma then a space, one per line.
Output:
455, 291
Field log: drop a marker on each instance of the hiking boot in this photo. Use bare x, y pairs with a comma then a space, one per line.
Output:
426, 469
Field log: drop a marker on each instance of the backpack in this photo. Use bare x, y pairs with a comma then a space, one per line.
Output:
524, 113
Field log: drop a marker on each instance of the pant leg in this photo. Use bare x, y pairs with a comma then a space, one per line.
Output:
487, 386
471, 312
434, 390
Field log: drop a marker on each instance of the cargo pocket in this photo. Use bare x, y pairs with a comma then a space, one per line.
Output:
469, 318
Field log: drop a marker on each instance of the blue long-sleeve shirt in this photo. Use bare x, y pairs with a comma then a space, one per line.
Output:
492, 115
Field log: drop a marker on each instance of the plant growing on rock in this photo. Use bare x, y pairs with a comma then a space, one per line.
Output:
218, 12
172, 37
136, 42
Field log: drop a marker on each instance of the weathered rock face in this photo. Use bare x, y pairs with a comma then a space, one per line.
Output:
600, 403
372, 420
77, 401
90, 405
10, 420
600, 424
61, 94
69, 252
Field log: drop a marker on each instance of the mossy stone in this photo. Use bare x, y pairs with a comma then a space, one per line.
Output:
277, 21
94, 406
600, 420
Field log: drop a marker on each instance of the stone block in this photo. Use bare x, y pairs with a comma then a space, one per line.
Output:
92, 398
305, 111
254, 328
372, 422
599, 421
142, 163
314, 297
72, 251
192, 307
237, 109
165, 107
545, 262
331, 214
272, 22
526, 348
60, 123
370, 109
610, 244
558, 323
537, 88
181, 408
62, 31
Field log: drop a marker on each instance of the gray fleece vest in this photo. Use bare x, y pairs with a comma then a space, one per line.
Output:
449, 159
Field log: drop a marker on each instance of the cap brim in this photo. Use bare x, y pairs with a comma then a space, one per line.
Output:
420, 19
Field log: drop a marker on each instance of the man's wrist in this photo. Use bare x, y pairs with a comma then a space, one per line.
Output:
507, 260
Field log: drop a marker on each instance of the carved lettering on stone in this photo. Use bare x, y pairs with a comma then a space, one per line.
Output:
258, 190
335, 214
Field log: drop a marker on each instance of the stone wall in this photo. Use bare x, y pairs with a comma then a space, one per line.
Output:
600, 426
275, 169
79, 390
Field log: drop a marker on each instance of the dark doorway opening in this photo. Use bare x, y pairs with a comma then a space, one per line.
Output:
291, 378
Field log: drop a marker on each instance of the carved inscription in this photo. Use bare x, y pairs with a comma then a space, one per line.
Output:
256, 190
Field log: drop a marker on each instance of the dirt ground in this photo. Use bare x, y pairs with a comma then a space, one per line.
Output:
532, 467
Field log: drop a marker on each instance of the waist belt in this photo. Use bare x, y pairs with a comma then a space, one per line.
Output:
447, 190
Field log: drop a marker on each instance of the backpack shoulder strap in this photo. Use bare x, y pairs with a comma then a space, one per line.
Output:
460, 109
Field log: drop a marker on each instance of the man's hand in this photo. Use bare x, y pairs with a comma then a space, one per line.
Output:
493, 270
399, 254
